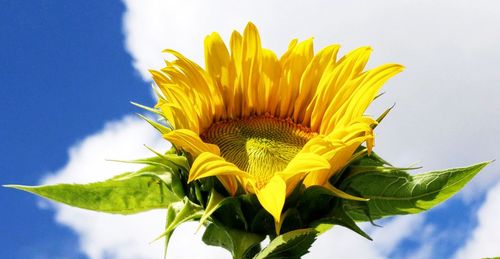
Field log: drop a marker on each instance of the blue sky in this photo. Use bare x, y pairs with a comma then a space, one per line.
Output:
64, 74
69, 70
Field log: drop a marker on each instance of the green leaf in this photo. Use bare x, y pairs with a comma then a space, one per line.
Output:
293, 244
338, 217
323, 210
396, 192
127, 196
241, 244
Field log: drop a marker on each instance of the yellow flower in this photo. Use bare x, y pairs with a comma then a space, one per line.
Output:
263, 124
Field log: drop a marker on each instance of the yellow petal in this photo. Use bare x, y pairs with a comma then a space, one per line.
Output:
305, 162
359, 100
337, 148
229, 182
251, 64
294, 64
335, 85
190, 142
217, 61
208, 164
310, 79
292, 182
216, 55
272, 198
235, 77
270, 76
302, 164
197, 86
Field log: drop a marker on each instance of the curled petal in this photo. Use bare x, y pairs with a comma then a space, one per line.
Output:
190, 141
272, 198
207, 164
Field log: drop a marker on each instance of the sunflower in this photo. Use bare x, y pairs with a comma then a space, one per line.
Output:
262, 124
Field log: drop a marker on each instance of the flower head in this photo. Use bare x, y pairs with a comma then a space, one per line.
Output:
263, 124
266, 147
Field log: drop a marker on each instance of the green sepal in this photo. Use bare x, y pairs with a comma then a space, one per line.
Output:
153, 110
241, 244
397, 192
263, 222
230, 214
152, 162
293, 244
158, 126
382, 116
178, 213
170, 159
127, 196
291, 220
167, 173
171, 213
316, 202
171, 181
358, 162
216, 201
184, 211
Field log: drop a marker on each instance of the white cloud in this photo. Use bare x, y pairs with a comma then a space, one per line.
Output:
121, 140
340, 242
389, 236
343, 243
424, 252
114, 236
486, 236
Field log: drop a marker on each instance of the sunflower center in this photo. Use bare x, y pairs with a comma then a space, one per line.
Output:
260, 145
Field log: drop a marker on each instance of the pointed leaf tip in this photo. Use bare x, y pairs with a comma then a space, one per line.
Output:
127, 196
397, 192
292, 244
